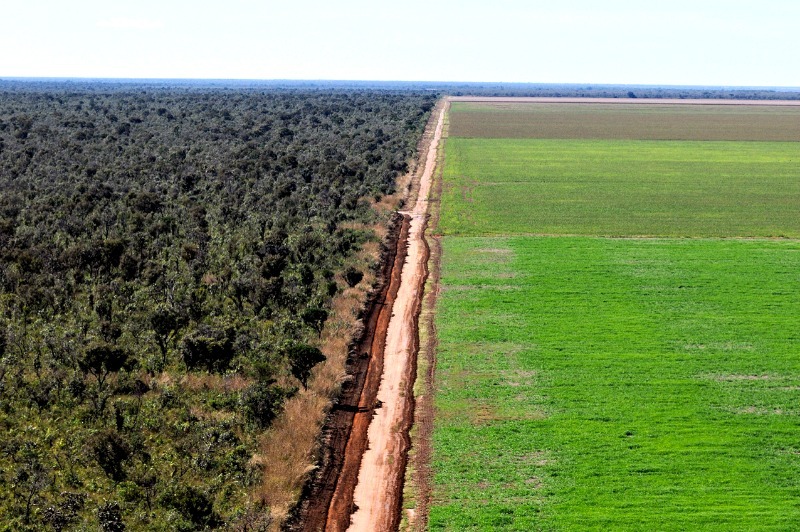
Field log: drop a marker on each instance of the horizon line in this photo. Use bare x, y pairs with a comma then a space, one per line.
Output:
586, 85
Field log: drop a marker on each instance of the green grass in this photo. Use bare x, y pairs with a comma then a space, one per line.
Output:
588, 383
603, 187
624, 384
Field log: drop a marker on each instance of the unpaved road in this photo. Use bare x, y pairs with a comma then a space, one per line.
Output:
327, 500
365, 439
378, 494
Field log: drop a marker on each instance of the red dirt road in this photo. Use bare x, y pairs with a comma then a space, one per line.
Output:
365, 439
327, 500
378, 494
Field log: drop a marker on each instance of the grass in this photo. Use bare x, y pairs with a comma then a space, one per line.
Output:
625, 121
591, 379
644, 384
613, 188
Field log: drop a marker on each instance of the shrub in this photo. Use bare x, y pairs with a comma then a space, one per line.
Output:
110, 450
262, 401
352, 276
109, 516
209, 349
192, 504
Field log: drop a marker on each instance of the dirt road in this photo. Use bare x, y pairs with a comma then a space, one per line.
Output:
365, 439
380, 480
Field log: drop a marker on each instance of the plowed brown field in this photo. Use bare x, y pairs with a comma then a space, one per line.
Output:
627, 119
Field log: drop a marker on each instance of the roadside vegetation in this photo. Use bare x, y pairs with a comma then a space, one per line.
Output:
633, 382
169, 258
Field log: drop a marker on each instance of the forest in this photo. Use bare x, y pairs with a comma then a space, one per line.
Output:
168, 258
573, 90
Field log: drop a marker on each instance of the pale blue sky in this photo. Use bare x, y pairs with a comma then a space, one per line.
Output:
689, 42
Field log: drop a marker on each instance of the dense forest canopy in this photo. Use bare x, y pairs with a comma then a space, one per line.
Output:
167, 260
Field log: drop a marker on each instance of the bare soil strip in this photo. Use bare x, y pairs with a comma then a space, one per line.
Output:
665, 101
390, 340
344, 434
378, 494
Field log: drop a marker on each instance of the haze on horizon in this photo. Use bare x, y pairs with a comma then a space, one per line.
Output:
712, 42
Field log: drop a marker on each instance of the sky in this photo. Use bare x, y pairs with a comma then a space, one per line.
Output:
679, 42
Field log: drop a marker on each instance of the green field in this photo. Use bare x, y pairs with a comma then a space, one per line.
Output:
588, 380
608, 187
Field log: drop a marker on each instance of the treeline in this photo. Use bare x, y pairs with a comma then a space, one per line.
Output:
167, 260
441, 87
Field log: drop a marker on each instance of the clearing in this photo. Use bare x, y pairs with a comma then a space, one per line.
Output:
587, 379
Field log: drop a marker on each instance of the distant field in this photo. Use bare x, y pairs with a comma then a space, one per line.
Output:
625, 121
607, 187
596, 368
618, 384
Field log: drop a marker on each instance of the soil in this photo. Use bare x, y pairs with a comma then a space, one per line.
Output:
421, 477
345, 429
378, 494
365, 439
667, 101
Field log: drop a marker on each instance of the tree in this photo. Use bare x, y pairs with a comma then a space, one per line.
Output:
302, 359
165, 324
208, 348
30, 478
101, 360
315, 318
110, 450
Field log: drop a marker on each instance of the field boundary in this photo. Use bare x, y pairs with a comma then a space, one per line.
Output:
326, 501
418, 479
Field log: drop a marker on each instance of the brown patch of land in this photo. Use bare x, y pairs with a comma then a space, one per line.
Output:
635, 101
378, 494
627, 119
365, 438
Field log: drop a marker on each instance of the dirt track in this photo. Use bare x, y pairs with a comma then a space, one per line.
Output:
326, 503
378, 494
628, 101
365, 439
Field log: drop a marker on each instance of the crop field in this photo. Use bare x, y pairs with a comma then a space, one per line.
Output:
625, 121
607, 187
589, 378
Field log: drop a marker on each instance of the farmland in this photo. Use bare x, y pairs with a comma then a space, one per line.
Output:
626, 121
617, 329
602, 187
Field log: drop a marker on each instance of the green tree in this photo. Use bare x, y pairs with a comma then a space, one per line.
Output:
315, 318
110, 450
302, 359
101, 360
165, 324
